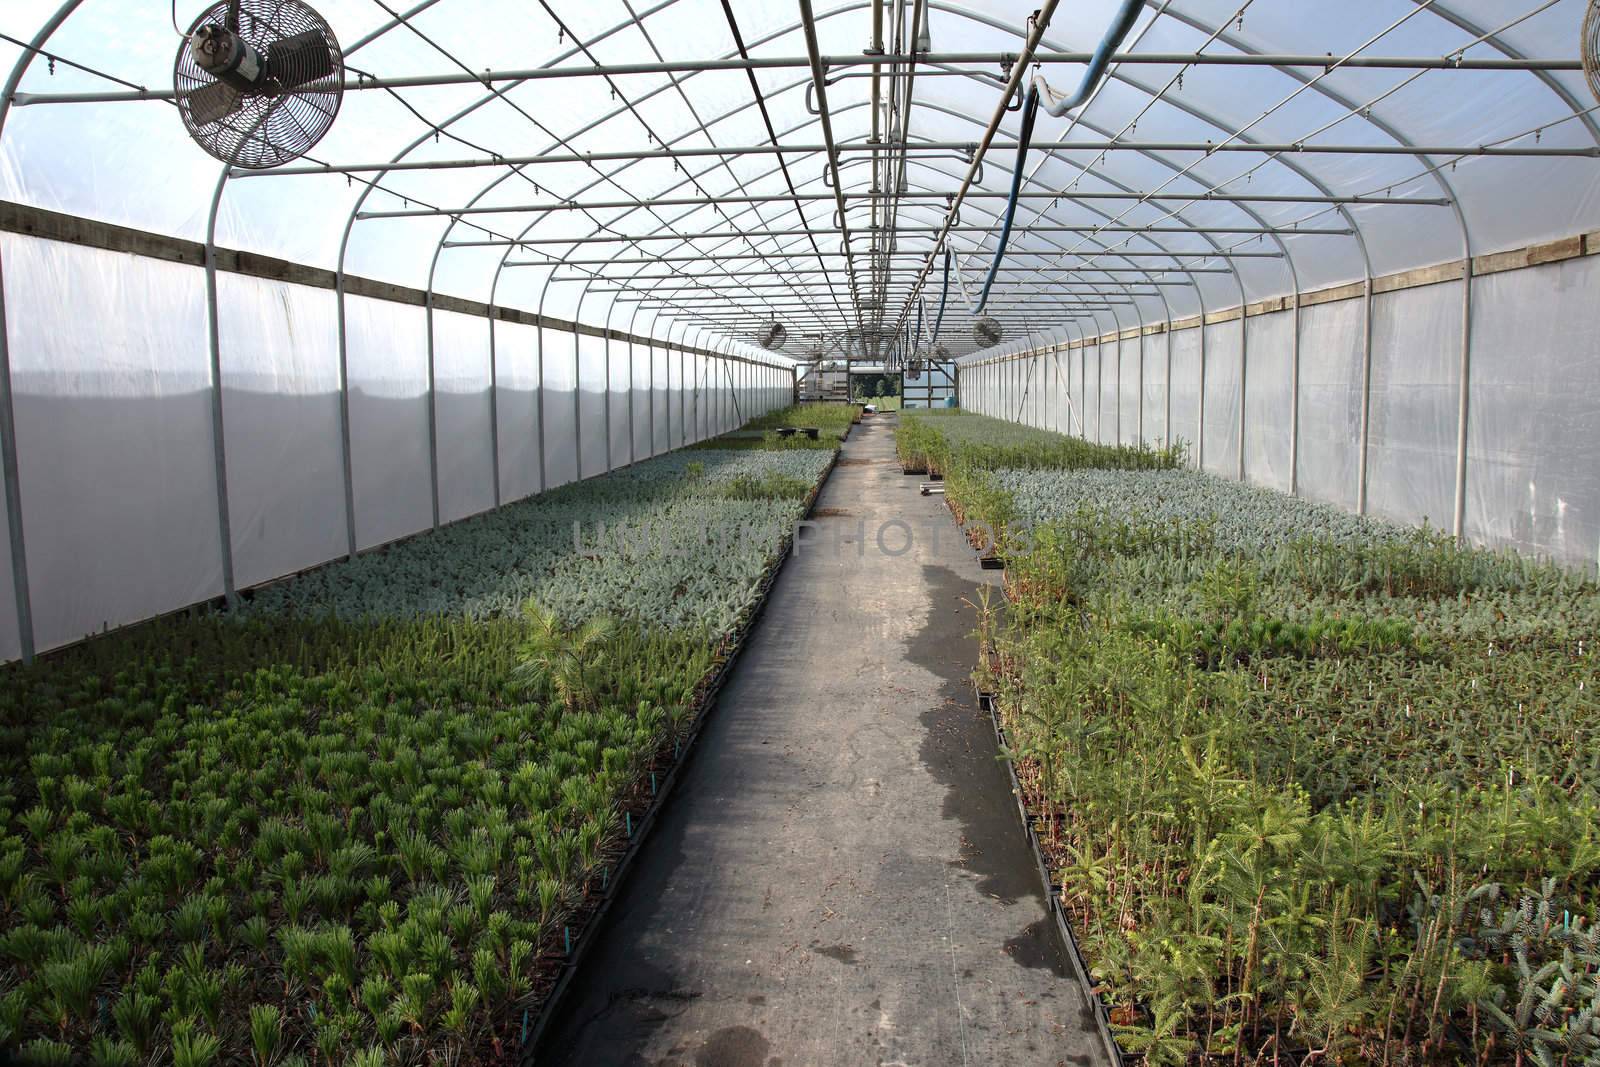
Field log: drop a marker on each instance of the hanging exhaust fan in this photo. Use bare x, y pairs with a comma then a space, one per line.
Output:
987, 331
258, 82
1590, 47
774, 335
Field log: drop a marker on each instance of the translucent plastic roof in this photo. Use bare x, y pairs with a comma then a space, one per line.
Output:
1151, 202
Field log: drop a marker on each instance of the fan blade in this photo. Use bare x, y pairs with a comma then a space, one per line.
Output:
303, 58
212, 102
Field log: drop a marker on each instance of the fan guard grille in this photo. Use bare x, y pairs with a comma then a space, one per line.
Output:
271, 127
1591, 47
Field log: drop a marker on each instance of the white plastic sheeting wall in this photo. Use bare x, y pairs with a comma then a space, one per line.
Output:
1331, 344
387, 356
113, 435
1416, 358
1220, 440
462, 403
1154, 401
1532, 460
560, 427
1533, 454
1129, 386
516, 347
1269, 356
280, 402
111, 379
1185, 346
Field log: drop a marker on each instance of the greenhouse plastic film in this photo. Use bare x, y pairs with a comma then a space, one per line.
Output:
516, 393
462, 401
1032, 388
592, 405
1089, 357
1221, 427
661, 399
1330, 401
1416, 354
1267, 399
1186, 389
1061, 419
694, 388
559, 429
1041, 389
619, 420
641, 362
720, 403
1061, 400
387, 361
1110, 391
1128, 391
1044, 387
1022, 399
279, 346
114, 435
1533, 458
1155, 389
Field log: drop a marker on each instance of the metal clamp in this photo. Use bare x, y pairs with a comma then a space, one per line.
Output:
811, 87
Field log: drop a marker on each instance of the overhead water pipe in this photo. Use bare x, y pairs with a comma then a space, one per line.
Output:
1040, 22
1057, 106
1030, 108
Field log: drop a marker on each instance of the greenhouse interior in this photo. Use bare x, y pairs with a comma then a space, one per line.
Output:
765, 533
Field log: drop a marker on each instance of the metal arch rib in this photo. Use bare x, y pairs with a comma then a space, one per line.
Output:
828, 14
1320, 88
1464, 368
938, 170
1218, 124
1115, 73
1510, 51
956, 114
10, 470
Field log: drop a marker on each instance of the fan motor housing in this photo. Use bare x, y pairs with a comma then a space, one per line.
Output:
226, 56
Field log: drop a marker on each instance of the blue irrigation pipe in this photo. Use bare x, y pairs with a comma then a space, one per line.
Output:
1126, 16
943, 295
1030, 108
1098, 62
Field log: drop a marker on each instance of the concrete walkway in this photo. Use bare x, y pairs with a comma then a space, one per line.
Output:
840, 878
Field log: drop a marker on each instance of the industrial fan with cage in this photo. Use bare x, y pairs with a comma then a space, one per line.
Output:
987, 331
258, 82
773, 337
